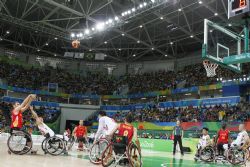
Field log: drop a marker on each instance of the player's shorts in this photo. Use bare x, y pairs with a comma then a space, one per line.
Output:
81, 139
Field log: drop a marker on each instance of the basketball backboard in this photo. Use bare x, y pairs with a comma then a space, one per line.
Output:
221, 43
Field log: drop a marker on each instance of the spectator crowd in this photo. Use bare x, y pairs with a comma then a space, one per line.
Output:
102, 84
227, 113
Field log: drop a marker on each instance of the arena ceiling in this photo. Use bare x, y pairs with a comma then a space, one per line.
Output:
172, 29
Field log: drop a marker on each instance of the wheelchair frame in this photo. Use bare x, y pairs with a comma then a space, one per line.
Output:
234, 154
95, 152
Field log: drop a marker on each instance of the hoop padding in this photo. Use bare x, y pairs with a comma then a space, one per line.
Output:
210, 68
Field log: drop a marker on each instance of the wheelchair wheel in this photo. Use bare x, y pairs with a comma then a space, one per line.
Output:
95, 153
55, 146
207, 154
108, 156
44, 145
70, 143
236, 156
17, 143
134, 155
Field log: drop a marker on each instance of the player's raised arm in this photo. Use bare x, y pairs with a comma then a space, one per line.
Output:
34, 114
26, 103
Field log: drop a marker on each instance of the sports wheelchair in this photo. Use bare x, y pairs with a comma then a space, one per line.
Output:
206, 154
56, 145
18, 142
119, 151
237, 156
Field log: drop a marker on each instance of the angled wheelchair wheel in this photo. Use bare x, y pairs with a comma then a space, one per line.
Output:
17, 143
55, 146
108, 156
207, 154
236, 156
44, 145
95, 152
70, 143
134, 155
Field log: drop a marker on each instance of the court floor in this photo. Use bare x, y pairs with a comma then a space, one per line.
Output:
75, 158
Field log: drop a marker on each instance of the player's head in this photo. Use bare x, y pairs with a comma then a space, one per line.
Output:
205, 131
16, 104
81, 122
102, 113
241, 127
178, 123
224, 126
129, 118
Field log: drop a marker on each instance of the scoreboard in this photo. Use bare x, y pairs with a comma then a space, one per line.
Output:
237, 7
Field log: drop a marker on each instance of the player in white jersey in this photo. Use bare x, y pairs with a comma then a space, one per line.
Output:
44, 129
105, 127
204, 141
241, 140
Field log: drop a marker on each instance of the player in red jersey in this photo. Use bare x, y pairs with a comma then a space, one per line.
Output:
17, 117
128, 130
80, 133
222, 138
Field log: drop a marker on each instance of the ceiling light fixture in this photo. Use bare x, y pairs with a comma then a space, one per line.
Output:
100, 26
86, 31
116, 18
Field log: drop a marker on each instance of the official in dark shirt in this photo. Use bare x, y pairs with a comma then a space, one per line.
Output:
178, 135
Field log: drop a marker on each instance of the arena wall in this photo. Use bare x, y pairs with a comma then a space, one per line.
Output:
75, 112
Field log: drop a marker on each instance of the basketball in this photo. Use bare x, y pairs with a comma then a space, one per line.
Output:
75, 44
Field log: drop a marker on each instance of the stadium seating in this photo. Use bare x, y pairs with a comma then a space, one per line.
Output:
102, 84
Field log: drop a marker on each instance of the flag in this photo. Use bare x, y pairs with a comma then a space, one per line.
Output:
89, 56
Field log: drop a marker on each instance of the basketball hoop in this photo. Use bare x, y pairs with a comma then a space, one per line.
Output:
210, 68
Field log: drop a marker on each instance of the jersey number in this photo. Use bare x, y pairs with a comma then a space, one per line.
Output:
125, 133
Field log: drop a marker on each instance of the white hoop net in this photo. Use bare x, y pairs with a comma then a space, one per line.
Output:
210, 68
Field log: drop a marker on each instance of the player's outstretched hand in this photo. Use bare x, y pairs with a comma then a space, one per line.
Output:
33, 96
